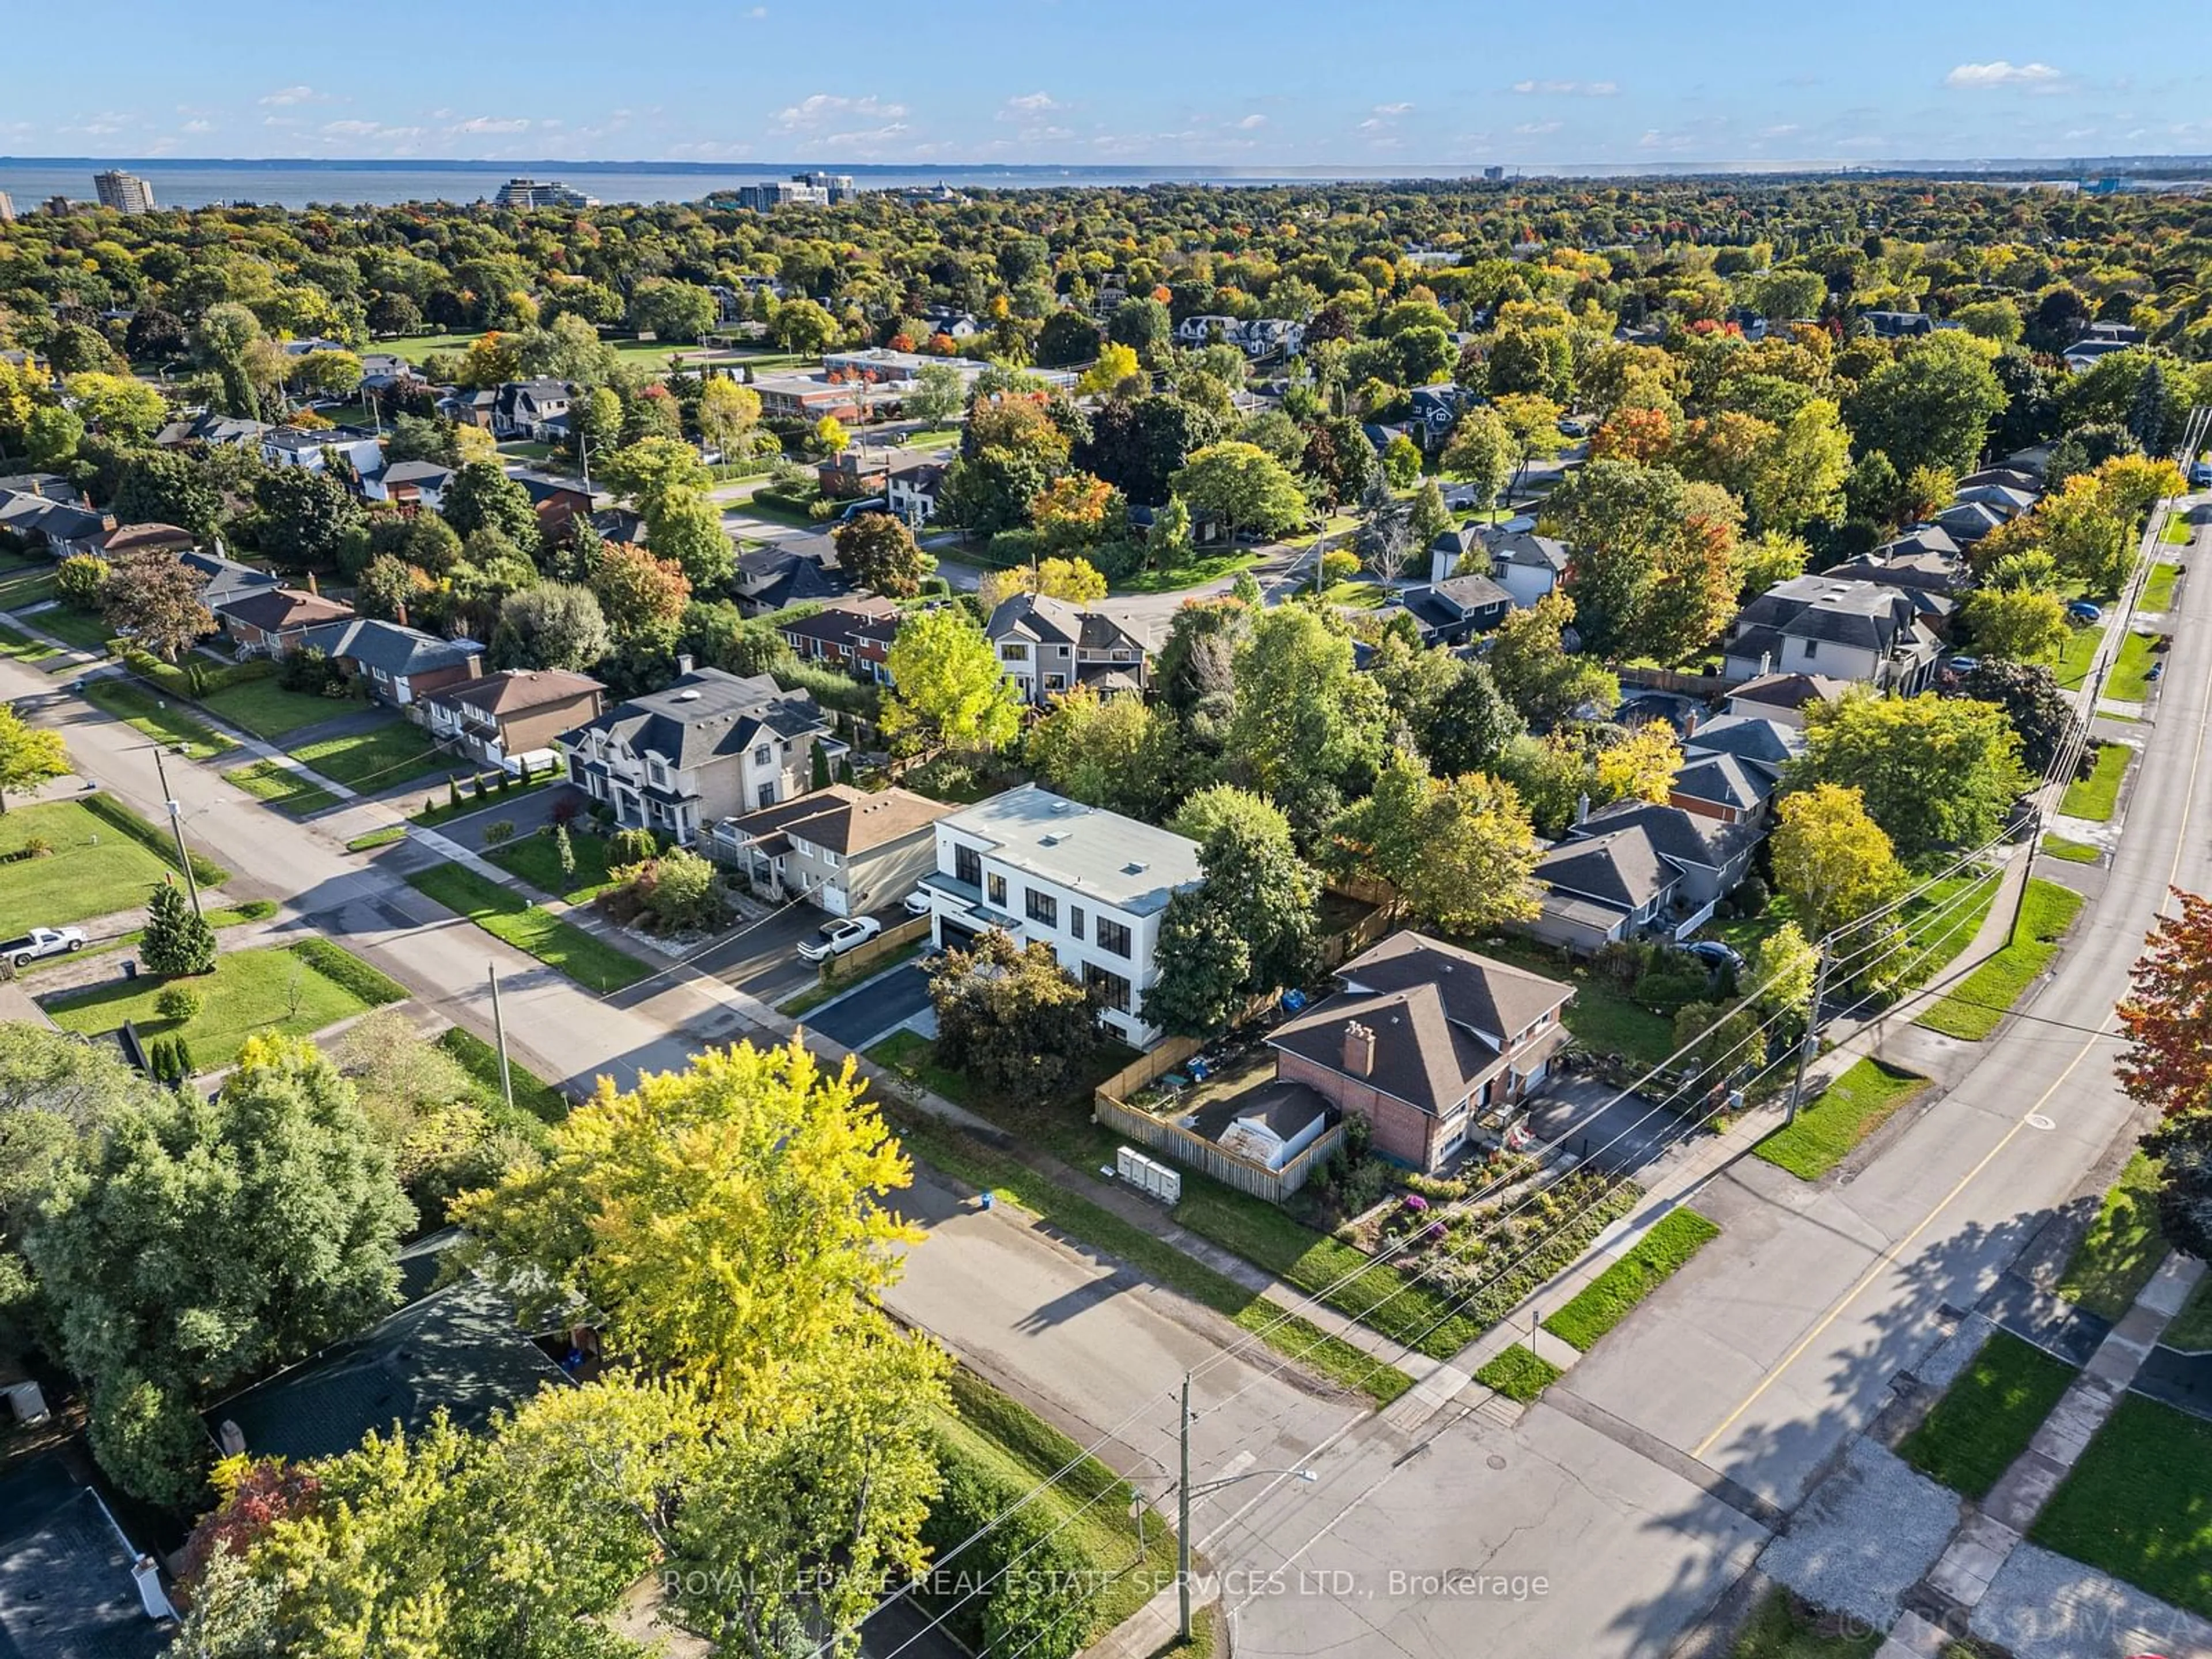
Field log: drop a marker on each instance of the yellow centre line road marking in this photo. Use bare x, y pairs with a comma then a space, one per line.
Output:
1888, 1258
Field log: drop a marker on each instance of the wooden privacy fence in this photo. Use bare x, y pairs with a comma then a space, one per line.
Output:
1669, 679
1197, 1152
849, 966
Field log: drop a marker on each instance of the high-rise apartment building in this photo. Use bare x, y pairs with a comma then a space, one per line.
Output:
126, 192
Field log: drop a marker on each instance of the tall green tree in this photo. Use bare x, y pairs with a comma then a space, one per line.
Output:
1250, 926
946, 687
177, 940
1930, 405
1309, 728
1461, 852
1934, 771
28, 756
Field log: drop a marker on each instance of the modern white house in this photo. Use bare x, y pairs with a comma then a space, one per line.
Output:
1090, 883
291, 446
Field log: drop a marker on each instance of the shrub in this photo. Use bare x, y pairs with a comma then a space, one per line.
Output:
78, 581
673, 892
179, 1002
176, 941
37, 846
567, 810
632, 847
1338, 566
1751, 896
499, 832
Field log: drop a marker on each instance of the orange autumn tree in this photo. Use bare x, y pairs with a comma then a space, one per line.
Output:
2167, 1064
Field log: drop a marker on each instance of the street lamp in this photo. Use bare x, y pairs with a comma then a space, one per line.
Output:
1185, 1493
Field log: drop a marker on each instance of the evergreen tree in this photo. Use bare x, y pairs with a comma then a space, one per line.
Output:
176, 941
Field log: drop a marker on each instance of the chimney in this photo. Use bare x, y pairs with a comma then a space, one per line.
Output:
1582, 807
400, 610
1358, 1049
312, 588
684, 662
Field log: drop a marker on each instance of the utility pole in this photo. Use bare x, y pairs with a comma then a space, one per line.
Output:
177, 828
499, 1039
1182, 1517
1809, 1044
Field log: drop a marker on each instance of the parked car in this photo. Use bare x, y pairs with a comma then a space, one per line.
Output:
2200, 475
838, 937
1715, 953
2157, 672
917, 904
41, 942
2083, 611
868, 504
1963, 664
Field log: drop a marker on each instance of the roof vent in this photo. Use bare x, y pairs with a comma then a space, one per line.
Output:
687, 696
1060, 806
1135, 867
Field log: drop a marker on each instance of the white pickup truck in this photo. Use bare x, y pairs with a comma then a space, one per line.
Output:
41, 942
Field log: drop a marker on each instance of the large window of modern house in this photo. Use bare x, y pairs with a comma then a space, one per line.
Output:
1075, 920
1013, 651
994, 889
1113, 938
1113, 989
968, 865
1044, 907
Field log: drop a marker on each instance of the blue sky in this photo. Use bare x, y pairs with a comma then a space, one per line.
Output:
1231, 83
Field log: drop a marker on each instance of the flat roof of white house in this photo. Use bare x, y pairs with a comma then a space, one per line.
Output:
1124, 862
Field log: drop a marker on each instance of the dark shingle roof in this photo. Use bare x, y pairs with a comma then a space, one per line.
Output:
1620, 865
1055, 622
226, 578
65, 1585
1493, 997
388, 646
514, 689
271, 610
844, 819
1724, 780
708, 713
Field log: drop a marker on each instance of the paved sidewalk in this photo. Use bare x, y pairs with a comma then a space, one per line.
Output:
1956, 1590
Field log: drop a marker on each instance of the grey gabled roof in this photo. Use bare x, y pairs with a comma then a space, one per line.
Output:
226, 578
416, 472
1055, 622
1764, 743
1525, 547
65, 1585
1725, 779
388, 646
707, 714
1494, 998
1620, 866
1679, 837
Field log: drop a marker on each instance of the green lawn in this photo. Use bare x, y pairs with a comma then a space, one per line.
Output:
375, 760
1356, 595
91, 871
82, 628
1784, 1627
1612, 1295
249, 993
158, 718
24, 649
2073, 665
226, 916
2190, 1331
1942, 922
24, 584
506, 914
1836, 1120
2098, 796
282, 787
2177, 532
440, 806
536, 860
1208, 567
268, 710
969, 1160
2122, 1248
1989, 1415
1600, 1016
2158, 590
1084, 1504
2074, 852
654, 354
481, 1060
1972, 1007
2139, 1503
369, 841
2129, 680
1519, 1374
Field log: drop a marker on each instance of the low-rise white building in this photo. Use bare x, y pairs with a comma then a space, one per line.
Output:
1090, 883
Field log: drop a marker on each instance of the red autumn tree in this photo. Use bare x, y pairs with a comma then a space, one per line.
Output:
2168, 1013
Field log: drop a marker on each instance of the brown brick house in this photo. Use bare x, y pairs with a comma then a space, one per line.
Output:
1424, 1041
271, 621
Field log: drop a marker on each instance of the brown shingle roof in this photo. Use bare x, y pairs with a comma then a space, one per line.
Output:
514, 689
272, 610
844, 819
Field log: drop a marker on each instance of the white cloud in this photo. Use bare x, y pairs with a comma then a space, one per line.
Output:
350, 129
1033, 103
1394, 109
1537, 129
1251, 122
295, 95
199, 127
485, 124
1567, 89
823, 107
1781, 131
758, 12
1999, 73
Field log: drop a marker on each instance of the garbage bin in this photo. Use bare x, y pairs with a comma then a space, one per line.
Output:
130, 966
987, 1198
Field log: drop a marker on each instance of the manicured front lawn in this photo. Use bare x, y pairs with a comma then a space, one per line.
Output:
2122, 1248
84, 629
1356, 595
1784, 1627
250, 992
2158, 590
1210, 568
91, 871
24, 649
1972, 1008
1989, 1415
158, 718
1612, 1295
1084, 1504
2097, 796
536, 860
969, 1160
2139, 1503
2129, 680
2190, 1330
27, 584
371, 840
268, 710
1519, 1374
282, 787
375, 760
2074, 852
1836, 1121
506, 914
2074, 658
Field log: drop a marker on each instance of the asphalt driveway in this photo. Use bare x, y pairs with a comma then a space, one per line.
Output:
867, 1011
1619, 1136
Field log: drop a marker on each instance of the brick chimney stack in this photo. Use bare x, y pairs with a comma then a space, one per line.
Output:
1358, 1049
